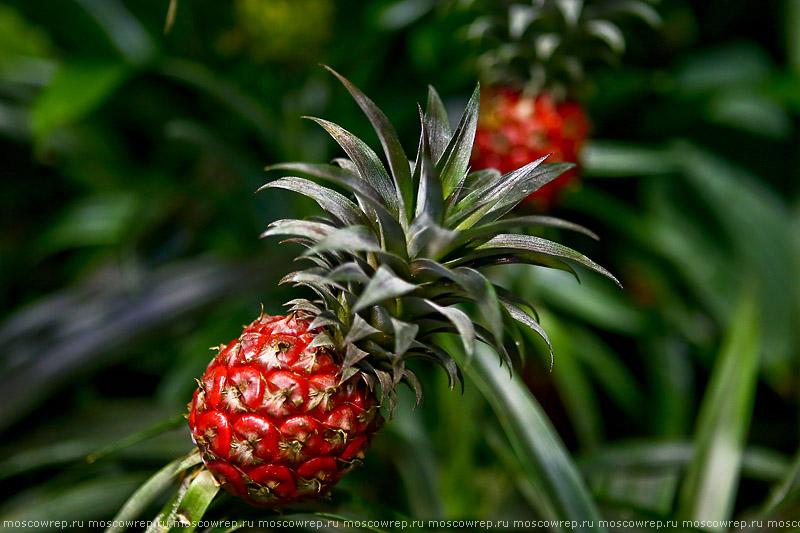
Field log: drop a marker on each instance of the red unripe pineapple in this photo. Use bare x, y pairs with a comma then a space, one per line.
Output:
536, 57
515, 128
271, 418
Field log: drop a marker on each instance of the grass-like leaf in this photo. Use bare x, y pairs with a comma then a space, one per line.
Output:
540, 452
41, 507
184, 511
151, 490
158, 428
709, 489
645, 456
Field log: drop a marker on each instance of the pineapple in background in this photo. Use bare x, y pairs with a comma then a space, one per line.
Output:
535, 60
291, 404
516, 128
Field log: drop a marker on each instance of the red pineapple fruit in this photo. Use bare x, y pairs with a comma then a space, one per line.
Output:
515, 129
535, 59
288, 407
271, 419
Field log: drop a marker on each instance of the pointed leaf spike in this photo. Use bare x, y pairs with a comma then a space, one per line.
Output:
396, 156
463, 325
384, 285
524, 318
404, 335
430, 197
510, 241
453, 164
353, 355
413, 381
370, 168
334, 203
359, 329
437, 125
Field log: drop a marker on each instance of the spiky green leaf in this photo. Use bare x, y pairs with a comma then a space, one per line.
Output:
441, 357
349, 272
498, 226
314, 231
331, 201
510, 241
437, 125
370, 168
453, 164
461, 321
484, 295
301, 304
396, 156
353, 238
359, 329
384, 285
524, 318
404, 335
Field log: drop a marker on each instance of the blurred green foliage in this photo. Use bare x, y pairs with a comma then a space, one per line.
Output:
129, 245
281, 31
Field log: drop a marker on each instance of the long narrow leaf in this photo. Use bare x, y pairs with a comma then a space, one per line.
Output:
524, 318
790, 483
158, 428
462, 322
398, 161
186, 509
346, 178
709, 490
524, 222
645, 456
437, 125
430, 197
455, 160
510, 241
483, 206
540, 452
370, 168
314, 231
337, 205
151, 490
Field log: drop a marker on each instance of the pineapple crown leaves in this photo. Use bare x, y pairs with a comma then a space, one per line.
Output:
397, 259
547, 43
